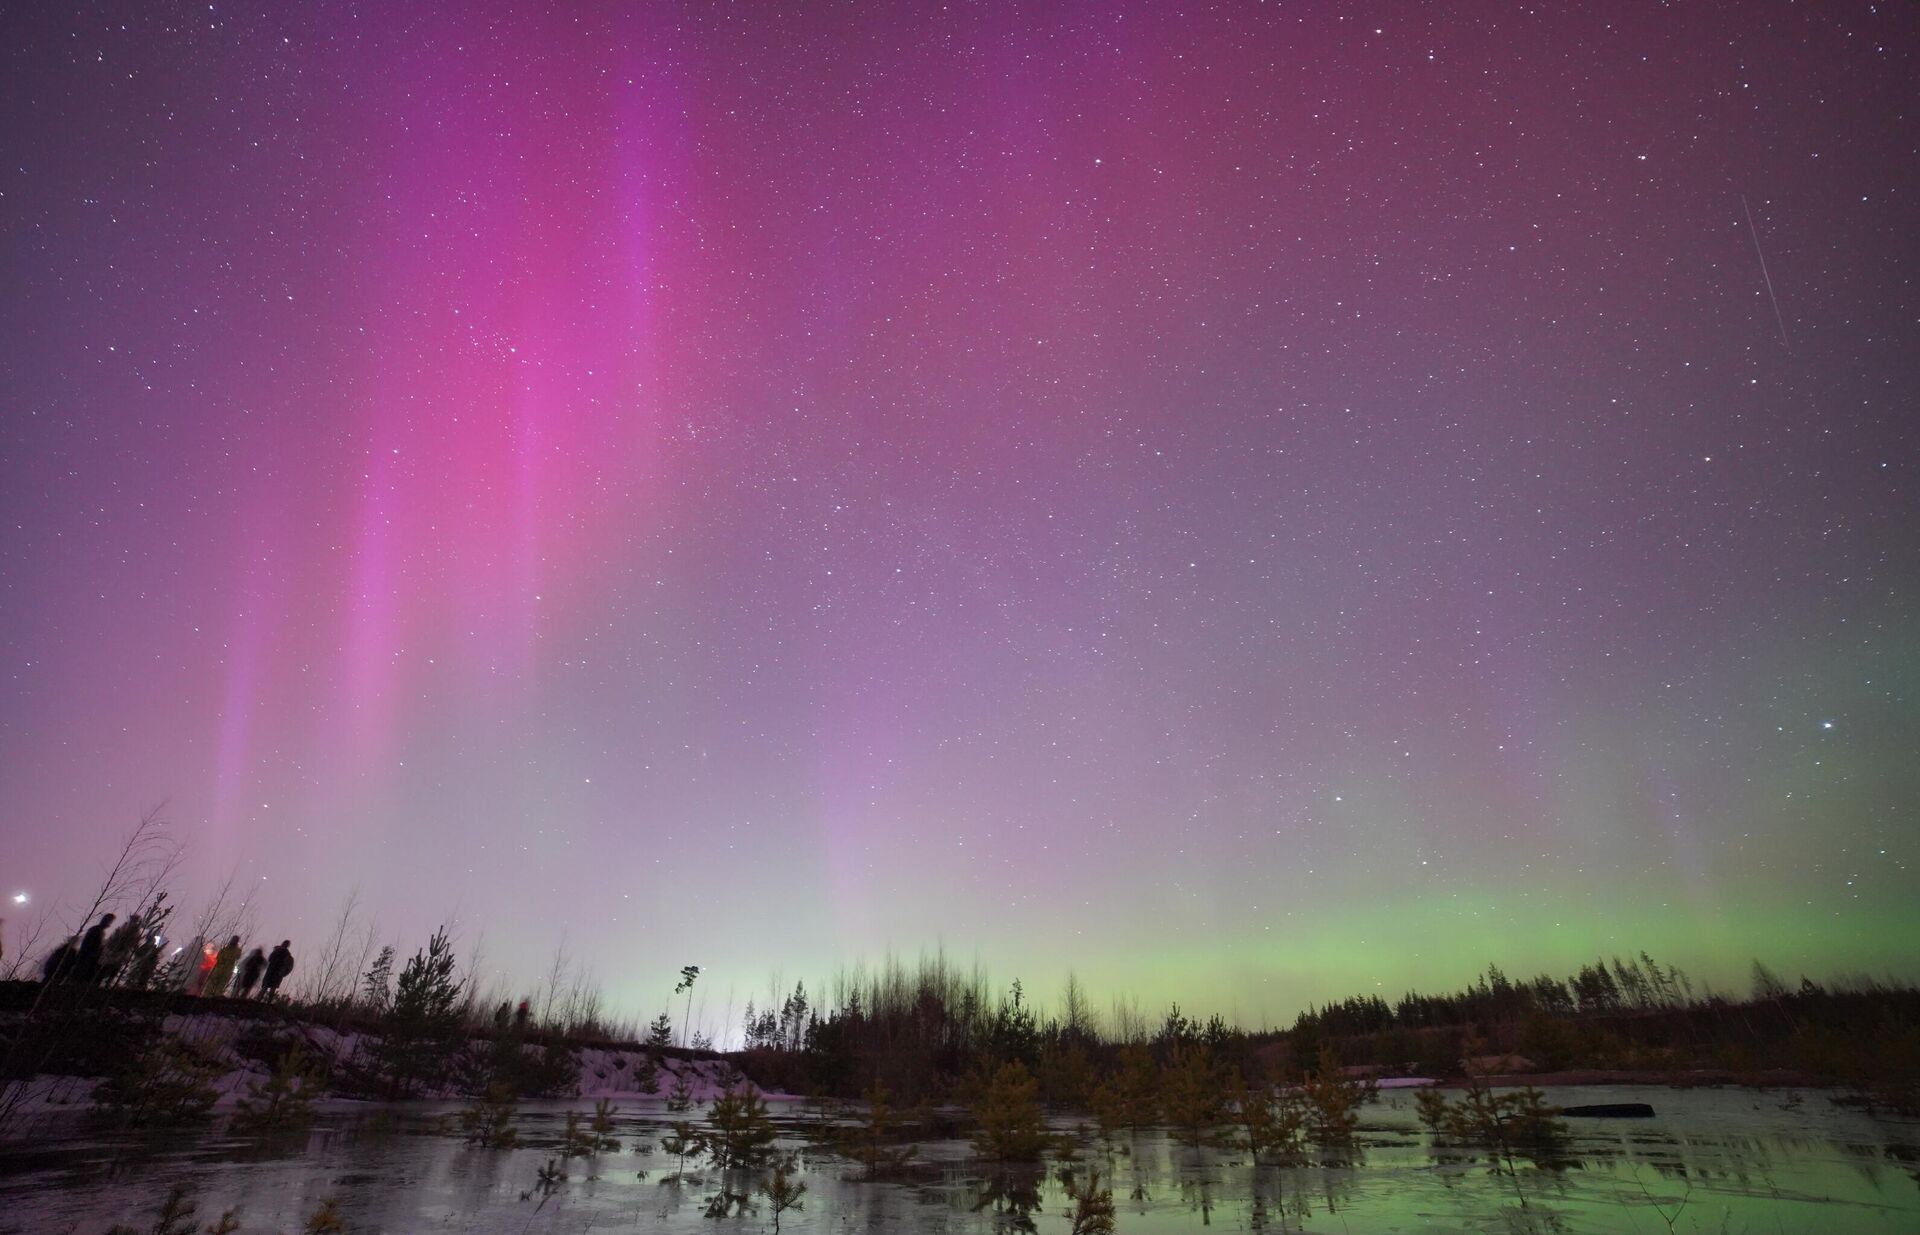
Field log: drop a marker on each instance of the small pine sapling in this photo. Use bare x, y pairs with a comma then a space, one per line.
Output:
602, 1127
488, 1123
1190, 1096
170, 1082
1520, 1120
683, 1142
871, 1143
326, 1220
175, 1216
284, 1102
1272, 1125
1010, 1126
743, 1133
782, 1191
1335, 1101
1129, 1098
1092, 1207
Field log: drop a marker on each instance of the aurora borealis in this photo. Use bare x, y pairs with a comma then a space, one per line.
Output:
1249, 503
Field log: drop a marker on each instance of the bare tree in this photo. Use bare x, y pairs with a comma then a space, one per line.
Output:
331, 976
476, 972
147, 858
228, 913
1076, 1012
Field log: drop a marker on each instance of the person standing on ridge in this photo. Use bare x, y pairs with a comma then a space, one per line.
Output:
86, 962
279, 965
250, 970
222, 972
58, 966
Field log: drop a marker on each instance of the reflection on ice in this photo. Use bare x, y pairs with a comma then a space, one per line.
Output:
1712, 1160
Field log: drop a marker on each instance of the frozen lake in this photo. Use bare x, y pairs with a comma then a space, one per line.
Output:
1712, 1161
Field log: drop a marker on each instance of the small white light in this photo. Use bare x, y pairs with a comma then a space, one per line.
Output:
19, 898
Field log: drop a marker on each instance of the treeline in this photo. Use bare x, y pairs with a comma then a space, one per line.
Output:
1638, 984
931, 1030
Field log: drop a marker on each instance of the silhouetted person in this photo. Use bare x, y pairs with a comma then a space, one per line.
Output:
501, 1015
521, 1015
250, 971
86, 962
222, 973
119, 949
58, 966
279, 965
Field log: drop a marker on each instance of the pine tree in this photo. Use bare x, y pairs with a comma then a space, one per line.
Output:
1190, 1095
660, 1032
1011, 1127
1131, 1097
1272, 1124
376, 987
871, 1143
1335, 1102
418, 1034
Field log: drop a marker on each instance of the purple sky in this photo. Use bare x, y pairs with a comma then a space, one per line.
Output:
1247, 502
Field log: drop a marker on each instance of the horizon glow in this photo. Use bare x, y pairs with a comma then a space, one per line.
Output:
1248, 506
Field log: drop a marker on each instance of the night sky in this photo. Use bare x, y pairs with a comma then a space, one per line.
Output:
1250, 502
